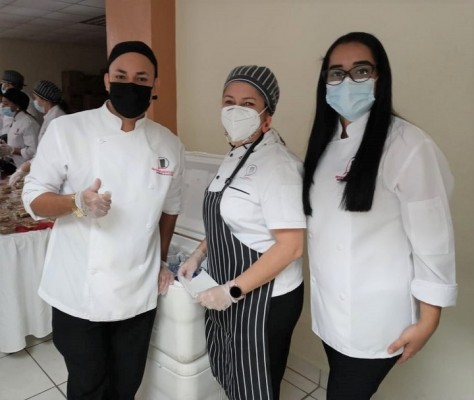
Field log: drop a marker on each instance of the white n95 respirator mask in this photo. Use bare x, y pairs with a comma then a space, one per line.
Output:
240, 122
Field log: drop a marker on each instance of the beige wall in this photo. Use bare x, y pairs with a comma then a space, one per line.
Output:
429, 43
39, 60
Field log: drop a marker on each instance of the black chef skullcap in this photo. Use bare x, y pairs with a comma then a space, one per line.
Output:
134, 46
16, 96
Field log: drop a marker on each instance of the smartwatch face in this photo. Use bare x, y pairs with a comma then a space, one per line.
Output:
235, 292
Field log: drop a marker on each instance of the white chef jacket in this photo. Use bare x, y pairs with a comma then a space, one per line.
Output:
54, 112
23, 134
106, 269
30, 110
368, 268
264, 195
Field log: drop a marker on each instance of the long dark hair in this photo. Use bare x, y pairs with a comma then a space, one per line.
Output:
360, 180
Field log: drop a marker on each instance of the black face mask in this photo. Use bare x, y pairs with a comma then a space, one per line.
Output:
129, 99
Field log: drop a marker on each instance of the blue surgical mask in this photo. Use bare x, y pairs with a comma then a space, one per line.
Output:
4, 89
39, 107
7, 112
351, 99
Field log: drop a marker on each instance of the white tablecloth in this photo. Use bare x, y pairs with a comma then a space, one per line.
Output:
22, 311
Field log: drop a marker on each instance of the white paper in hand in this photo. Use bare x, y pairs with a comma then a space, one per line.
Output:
198, 284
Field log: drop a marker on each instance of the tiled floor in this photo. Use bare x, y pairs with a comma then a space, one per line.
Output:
38, 373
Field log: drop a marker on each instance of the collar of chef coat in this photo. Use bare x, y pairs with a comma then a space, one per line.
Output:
115, 121
354, 130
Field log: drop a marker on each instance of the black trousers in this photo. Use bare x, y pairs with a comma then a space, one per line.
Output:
285, 311
105, 360
355, 378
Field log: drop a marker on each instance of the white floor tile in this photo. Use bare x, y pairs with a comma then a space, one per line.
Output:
290, 392
319, 394
50, 360
52, 394
25, 379
299, 381
63, 388
303, 367
323, 380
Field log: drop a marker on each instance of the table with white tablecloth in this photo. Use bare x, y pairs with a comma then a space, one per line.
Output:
22, 311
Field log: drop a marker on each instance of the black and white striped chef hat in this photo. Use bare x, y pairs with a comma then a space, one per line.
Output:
47, 90
261, 78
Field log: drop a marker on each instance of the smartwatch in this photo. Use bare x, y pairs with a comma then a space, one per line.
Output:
235, 292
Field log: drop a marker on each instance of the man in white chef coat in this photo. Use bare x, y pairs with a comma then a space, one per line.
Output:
112, 178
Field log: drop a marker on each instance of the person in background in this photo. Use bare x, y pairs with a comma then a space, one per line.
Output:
113, 179
13, 79
22, 130
48, 101
254, 225
380, 237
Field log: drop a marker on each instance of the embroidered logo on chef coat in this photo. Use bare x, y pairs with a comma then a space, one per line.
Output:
250, 170
162, 167
342, 177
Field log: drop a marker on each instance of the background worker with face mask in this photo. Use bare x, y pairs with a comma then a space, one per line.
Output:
48, 101
21, 130
98, 173
14, 79
254, 227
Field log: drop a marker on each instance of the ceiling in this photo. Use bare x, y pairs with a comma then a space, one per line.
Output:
58, 21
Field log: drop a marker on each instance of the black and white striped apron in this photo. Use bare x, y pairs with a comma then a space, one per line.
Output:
237, 338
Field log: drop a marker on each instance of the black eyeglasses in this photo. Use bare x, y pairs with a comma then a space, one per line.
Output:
359, 73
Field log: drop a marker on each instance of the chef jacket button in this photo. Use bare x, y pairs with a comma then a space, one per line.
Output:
100, 140
217, 177
310, 235
231, 154
313, 280
148, 225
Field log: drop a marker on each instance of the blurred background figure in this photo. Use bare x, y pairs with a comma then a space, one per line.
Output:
21, 129
13, 79
48, 101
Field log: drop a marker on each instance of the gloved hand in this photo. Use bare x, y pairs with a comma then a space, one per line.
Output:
17, 175
191, 264
92, 203
5, 150
216, 298
165, 278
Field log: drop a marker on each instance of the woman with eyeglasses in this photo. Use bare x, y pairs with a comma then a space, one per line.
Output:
380, 237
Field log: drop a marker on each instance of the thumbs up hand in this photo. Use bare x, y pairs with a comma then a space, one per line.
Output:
93, 203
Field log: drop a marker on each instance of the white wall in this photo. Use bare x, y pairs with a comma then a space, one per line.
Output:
429, 43
39, 60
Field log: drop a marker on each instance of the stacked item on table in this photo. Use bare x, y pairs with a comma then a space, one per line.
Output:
13, 216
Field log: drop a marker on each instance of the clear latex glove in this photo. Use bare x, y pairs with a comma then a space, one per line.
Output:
18, 175
5, 150
191, 264
93, 203
165, 278
216, 298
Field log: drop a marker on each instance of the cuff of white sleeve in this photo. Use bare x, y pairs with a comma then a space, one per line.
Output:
441, 295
